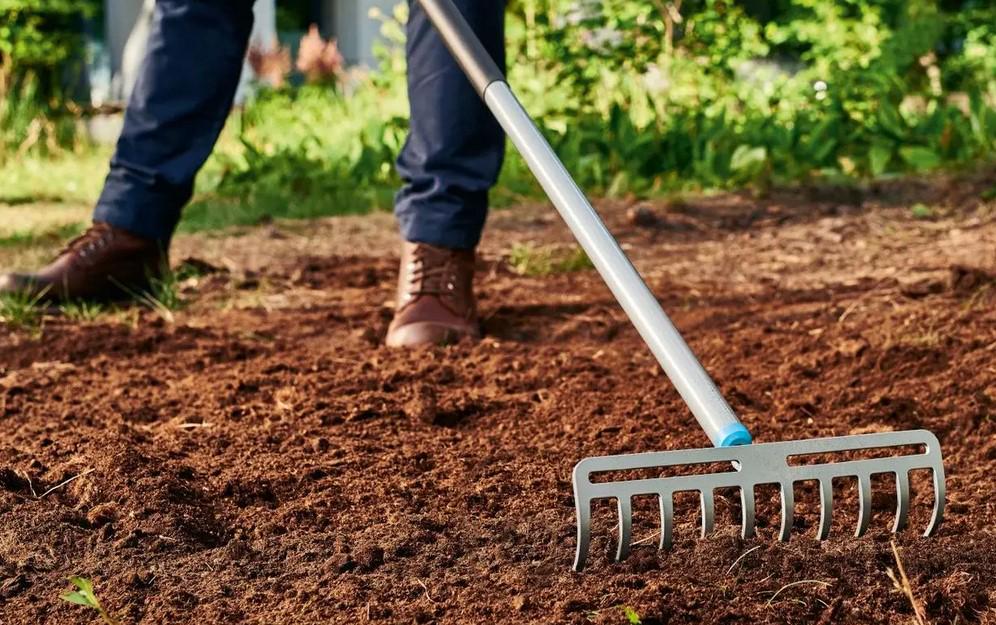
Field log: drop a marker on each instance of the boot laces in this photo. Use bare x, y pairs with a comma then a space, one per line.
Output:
94, 238
431, 272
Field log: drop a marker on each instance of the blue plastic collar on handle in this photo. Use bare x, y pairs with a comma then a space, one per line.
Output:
734, 434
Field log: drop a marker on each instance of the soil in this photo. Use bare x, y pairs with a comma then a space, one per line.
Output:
262, 458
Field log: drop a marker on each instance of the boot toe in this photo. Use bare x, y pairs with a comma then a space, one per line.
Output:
421, 333
16, 284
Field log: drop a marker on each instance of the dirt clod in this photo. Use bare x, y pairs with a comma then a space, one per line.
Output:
965, 280
422, 404
343, 563
369, 558
102, 514
13, 586
642, 215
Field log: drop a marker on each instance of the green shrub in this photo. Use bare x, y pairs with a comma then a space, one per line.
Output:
863, 89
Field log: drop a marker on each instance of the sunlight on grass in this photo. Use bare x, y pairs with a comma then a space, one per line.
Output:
31, 225
46, 201
529, 260
73, 178
21, 311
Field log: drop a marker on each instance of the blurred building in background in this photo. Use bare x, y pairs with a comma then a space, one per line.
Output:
116, 54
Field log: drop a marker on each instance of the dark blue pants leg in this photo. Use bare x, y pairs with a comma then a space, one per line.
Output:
455, 147
177, 109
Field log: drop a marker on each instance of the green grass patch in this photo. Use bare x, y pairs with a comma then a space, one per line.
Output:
215, 212
921, 211
529, 260
42, 236
82, 311
162, 295
71, 177
21, 311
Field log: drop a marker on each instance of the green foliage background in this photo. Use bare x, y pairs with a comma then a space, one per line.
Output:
875, 87
646, 96
41, 56
637, 96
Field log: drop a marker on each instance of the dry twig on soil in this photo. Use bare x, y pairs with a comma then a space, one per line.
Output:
790, 584
902, 584
742, 556
65, 482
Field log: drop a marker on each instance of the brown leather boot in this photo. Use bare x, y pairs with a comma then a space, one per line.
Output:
435, 297
102, 263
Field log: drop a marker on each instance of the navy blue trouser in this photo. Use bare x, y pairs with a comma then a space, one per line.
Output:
184, 93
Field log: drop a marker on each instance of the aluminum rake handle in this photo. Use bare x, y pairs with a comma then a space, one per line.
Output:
672, 352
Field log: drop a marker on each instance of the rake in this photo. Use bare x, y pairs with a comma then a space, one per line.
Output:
744, 465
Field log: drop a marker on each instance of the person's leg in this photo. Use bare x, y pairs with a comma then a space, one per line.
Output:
176, 111
455, 147
449, 163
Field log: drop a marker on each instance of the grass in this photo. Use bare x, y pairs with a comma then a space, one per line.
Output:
42, 234
49, 199
31, 236
921, 211
82, 311
162, 296
632, 617
21, 311
212, 212
529, 260
72, 178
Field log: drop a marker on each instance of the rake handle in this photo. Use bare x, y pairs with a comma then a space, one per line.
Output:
672, 352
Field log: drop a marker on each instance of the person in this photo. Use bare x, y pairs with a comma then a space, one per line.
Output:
183, 94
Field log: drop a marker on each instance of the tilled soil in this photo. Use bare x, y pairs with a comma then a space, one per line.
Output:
262, 458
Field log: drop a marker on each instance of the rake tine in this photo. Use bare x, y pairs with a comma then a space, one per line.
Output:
826, 508
864, 504
708, 512
902, 500
584, 534
938, 514
667, 519
747, 509
788, 511
625, 527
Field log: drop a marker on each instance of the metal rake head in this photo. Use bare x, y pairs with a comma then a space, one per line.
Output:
751, 465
